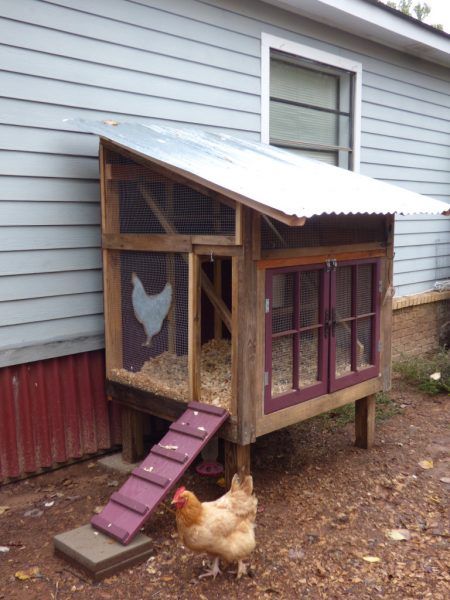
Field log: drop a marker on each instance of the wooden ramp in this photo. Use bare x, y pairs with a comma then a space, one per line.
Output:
129, 508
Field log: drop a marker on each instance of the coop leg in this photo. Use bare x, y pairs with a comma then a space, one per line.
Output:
237, 460
132, 435
365, 422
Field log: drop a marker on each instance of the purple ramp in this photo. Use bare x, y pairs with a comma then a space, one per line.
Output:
129, 508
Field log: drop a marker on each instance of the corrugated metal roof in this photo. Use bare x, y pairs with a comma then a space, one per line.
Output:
264, 177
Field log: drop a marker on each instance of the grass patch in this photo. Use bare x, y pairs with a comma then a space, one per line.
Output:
338, 417
417, 372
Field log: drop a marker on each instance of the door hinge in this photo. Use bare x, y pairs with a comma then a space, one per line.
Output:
380, 346
266, 378
267, 305
380, 286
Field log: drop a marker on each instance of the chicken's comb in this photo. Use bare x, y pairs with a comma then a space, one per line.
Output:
178, 492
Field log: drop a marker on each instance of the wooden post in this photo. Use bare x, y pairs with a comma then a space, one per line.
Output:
194, 325
218, 290
365, 422
237, 460
132, 435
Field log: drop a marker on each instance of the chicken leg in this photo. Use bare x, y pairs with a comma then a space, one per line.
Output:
214, 571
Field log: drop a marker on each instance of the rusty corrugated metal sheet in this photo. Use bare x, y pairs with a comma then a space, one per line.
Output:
53, 411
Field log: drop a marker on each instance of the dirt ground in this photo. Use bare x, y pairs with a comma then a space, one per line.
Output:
325, 508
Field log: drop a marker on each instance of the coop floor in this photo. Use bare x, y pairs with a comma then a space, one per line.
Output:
167, 375
323, 506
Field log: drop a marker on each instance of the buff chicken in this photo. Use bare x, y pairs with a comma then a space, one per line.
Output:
223, 529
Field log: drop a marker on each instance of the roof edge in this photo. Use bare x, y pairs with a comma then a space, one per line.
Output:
375, 21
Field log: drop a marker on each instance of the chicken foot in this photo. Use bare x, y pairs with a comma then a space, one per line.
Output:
214, 571
242, 569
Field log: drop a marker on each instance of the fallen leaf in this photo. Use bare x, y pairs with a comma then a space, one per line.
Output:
166, 578
4, 549
4, 509
221, 482
91, 465
113, 483
435, 376
49, 504
98, 509
426, 464
24, 575
445, 479
371, 559
399, 534
168, 447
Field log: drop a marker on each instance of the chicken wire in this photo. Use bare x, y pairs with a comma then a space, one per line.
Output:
140, 200
364, 289
154, 309
325, 230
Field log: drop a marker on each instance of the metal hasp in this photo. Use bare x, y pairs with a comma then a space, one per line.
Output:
129, 508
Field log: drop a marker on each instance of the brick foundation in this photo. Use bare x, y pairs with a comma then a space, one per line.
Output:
417, 322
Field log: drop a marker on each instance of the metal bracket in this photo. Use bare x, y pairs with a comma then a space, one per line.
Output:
266, 378
267, 305
331, 264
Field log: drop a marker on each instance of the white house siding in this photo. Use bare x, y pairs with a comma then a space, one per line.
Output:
181, 62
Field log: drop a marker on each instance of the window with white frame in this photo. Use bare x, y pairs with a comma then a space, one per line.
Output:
310, 102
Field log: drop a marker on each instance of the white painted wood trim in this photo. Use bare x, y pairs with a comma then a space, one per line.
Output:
271, 42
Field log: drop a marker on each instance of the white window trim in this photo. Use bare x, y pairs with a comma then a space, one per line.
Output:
270, 42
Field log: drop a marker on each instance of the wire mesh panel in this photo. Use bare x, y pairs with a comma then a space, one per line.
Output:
282, 365
154, 301
308, 358
283, 302
325, 230
140, 200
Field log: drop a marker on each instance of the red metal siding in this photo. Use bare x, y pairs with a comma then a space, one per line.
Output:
53, 411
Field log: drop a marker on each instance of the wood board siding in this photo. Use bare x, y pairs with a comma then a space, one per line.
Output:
178, 62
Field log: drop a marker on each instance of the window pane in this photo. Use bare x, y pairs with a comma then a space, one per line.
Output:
292, 82
307, 125
343, 292
309, 358
282, 302
364, 343
282, 365
309, 298
343, 349
364, 292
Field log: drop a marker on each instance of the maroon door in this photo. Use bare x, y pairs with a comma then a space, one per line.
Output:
322, 329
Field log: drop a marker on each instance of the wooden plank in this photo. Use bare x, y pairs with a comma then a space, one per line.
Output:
237, 460
216, 240
218, 290
316, 406
194, 325
243, 341
207, 250
111, 272
132, 172
256, 236
365, 422
154, 242
387, 292
238, 224
274, 263
132, 435
328, 251
159, 406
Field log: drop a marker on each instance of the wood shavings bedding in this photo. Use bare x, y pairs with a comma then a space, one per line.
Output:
167, 375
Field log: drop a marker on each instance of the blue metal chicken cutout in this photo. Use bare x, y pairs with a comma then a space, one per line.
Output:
149, 310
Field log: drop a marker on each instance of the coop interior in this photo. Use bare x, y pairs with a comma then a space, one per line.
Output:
150, 291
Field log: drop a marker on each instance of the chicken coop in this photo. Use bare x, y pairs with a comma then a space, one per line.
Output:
241, 276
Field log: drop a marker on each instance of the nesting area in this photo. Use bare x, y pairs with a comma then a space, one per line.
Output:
167, 375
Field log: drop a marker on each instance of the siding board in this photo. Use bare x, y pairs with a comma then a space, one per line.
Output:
49, 261
41, 285
49, 213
